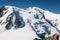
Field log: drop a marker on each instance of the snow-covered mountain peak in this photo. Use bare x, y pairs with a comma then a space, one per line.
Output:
40, 21
34, 9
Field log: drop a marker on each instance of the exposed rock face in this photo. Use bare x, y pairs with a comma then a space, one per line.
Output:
54, 37
10, 18
1, 12
36, 39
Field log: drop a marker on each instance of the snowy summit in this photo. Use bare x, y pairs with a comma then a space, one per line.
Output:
27, 24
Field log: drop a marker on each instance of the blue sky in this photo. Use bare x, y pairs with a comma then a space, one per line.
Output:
51, 5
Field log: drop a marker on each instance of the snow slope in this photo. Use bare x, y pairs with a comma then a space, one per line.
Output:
27, 24
20, 34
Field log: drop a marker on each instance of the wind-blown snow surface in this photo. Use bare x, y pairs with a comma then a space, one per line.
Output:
20, 34
27, 24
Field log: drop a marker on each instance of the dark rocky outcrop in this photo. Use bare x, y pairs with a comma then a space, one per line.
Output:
54, 37
36, 39
1, 12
